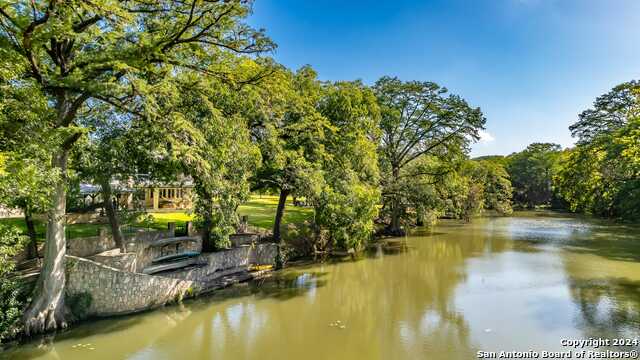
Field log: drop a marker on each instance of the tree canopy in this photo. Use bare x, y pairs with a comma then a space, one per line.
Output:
532, 171
70, 55
419, 119
601, 175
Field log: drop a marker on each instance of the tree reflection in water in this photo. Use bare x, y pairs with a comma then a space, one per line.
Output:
533, 279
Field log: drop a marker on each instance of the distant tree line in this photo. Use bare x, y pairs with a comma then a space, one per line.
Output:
600, 175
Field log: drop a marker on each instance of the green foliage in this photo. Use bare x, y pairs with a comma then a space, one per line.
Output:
531, 172
601, 175
419, 121
422, 189
214, 147
461, 192
495, 182
11, 243
25, 182
289, 130
460, 197
347, 203
610, 112
345, 212
291, 134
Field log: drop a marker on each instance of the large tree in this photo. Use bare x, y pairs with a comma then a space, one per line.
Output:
419, 119
118, 148
347, 203
289, 130
532, 171
117, 52
610, 112
216, 149
601, 175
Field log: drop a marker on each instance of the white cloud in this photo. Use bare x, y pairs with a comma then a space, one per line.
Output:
485, 137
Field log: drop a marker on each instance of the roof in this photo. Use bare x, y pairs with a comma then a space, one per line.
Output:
129, 186
86, 189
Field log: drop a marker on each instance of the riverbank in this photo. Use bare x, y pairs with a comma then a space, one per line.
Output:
156, 268
503, 283
233, 269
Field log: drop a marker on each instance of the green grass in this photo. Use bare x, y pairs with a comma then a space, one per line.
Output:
260, 209
73, 230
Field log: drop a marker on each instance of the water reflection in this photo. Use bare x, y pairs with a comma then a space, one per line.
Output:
609, 307
496, 284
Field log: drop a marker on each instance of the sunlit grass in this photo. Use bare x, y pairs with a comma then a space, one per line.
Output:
261, 210
73, 230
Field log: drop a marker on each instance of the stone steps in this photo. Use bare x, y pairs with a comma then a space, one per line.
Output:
169, 266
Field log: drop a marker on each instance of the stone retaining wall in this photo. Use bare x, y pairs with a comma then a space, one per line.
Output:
113, 258
115, 292
244, 239
264, 254
115, 288
92, 245
146, 253
88, 246
220, 263
86, 218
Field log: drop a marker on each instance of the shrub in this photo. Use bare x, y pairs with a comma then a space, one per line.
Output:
11, 303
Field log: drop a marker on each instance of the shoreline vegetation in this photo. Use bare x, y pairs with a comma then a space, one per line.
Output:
379, 243
159, 92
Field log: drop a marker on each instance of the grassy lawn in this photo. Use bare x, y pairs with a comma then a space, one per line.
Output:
73, 231
260, 209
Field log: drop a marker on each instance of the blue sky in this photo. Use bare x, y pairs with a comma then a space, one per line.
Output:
531, 65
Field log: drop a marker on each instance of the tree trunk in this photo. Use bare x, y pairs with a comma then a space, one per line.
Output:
279, 213
207, 241
32, 248
419, 217
46, 310
114, 223
394, 228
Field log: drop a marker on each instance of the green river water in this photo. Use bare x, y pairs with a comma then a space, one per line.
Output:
519, 283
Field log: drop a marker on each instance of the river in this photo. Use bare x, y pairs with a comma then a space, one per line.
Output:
516, 284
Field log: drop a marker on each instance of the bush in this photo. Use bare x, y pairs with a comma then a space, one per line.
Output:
346, 211
11, 303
